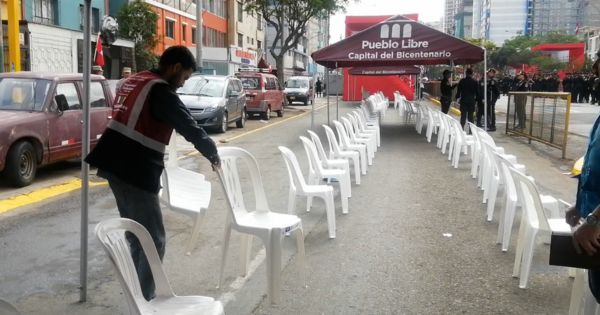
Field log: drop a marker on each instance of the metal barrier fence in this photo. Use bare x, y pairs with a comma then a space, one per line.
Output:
538, 116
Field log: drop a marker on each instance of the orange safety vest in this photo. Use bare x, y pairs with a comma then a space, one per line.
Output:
132, 117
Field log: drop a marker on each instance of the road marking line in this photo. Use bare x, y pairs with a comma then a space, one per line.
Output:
42, 194
240, 281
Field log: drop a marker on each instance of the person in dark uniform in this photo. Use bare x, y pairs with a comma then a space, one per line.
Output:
446, 88
537, 84
319, 87
467, 95
522, 85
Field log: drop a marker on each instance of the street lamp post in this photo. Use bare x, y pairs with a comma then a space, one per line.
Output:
199, 34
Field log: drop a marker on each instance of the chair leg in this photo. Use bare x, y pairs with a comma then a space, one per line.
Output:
509, 219
224, 251
527, 257
291, 201
273, 250
356, 165
195, 232
520, 245
246, 251
301, 253
577, 292
492, 200
363, 162
330, 211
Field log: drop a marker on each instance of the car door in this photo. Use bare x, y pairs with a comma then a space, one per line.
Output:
64, 141
231, 101
277, 94
241, 99
100, 112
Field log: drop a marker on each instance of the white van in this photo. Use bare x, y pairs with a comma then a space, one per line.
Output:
300, 89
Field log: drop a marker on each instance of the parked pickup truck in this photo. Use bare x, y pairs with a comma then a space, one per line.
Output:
41, 120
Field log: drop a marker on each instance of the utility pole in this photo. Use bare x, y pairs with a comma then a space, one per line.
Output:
199, 34
1, 44
14, 48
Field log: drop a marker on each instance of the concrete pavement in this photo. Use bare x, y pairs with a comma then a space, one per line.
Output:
415, 241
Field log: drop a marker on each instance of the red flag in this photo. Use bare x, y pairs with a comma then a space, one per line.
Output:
99, 55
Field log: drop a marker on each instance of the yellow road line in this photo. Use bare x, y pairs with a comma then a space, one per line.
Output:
14, 202
42, 194
454, 110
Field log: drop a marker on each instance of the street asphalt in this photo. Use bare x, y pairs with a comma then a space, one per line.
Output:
415, 240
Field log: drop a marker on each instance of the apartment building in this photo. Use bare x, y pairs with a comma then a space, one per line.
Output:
246, 41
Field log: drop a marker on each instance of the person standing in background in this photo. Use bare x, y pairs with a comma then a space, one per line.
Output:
522, 85
467, 95
446, 88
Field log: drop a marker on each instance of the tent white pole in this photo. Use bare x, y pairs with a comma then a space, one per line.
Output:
85, 149
485, 113
328, 88
337, 102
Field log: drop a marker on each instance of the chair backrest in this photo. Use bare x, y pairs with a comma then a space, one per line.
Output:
334, 146
8, 309
291, 162
354, 123
504, 166
318, 145
341, 132
488, 153
231, 159
111, 234
530, 199
315, 164
172, 159
349, 129
359, 120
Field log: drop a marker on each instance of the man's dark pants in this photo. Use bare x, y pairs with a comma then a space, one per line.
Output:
143, 207
466, 113
445, 101
479, 114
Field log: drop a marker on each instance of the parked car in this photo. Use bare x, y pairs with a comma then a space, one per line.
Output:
41, 116
264, 94
300, 89
215, 101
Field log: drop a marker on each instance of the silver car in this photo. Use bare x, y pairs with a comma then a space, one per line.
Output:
215, 101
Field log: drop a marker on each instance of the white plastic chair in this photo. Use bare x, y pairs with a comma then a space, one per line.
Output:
328, 161
533, 219
364, 126
111, 234
316, 172
357, 139
362, 133
582, 301
459, 142
269, 226
422, 118
8, 309
347, 145
186, 192
298, 186
444, 132
335, 151
433, 124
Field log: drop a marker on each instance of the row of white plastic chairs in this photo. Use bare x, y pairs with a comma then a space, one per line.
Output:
188, 192
496, 171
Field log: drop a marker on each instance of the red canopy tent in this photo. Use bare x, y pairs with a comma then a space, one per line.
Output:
398, 41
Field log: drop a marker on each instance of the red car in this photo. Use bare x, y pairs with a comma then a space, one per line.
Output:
264, 94
41, 117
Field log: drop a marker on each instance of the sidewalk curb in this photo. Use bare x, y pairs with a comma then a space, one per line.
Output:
454, 110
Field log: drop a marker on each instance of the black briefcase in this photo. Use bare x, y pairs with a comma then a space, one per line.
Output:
563, 253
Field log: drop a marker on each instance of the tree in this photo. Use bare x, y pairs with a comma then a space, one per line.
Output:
137, 21
289, 19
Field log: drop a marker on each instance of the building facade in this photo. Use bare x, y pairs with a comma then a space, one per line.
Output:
295, 61
556, 16
247, 38
450, 10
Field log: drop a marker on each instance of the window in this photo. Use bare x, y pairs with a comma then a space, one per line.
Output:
193, 35
240, 11
95, 19
270, 84
259, 22
252, 40
97, 98
70, 93
258, 44
184, 32
247, 39
44, 11
169, 28
240, 40
212, 37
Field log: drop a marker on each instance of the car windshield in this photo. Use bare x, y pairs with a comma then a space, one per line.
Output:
250, 83
202, 86
302, 84
23, 94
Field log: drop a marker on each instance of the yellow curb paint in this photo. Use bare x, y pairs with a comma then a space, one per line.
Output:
452, 109
42, 194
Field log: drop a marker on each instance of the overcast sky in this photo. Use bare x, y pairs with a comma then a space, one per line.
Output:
428, 10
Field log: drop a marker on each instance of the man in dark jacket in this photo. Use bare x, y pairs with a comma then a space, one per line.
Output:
130, 153
467, 95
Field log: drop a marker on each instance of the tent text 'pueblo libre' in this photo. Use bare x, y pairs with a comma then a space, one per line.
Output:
398, 41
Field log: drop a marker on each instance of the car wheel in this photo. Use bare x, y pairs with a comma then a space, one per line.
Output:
280, 112
306, 101
223, 126
21, 164
242, 121
267, 114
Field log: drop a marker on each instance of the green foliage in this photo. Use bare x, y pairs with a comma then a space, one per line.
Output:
517, 51
137, 22
289, 19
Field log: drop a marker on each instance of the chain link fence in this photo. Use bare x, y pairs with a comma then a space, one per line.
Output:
538, 116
